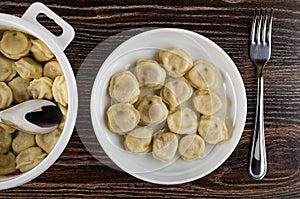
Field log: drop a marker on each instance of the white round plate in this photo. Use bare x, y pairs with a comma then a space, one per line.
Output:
146, 46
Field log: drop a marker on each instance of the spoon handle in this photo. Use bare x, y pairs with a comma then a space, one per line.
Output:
258, 159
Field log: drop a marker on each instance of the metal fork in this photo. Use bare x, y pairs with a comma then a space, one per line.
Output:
260, 53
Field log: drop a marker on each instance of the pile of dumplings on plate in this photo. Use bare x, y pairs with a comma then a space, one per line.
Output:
28, 70
158, 94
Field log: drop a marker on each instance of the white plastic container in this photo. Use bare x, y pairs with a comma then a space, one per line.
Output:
28, 23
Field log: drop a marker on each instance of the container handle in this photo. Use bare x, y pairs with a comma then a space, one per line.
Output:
68, 32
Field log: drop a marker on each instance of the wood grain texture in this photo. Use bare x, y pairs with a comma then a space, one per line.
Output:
78, 174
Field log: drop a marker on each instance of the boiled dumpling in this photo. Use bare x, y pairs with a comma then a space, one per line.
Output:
207, 102
122, 117
19, 89
150, 74
176, 61
64, 112
176, 91
60, 91
191, 147
183, 121
212, 129
29, 158
14, 44
164, 146
6, 128
40, 51
138, 140
41, 88
7, 69
6, 96
47, 141
5, 142
152, 109
28, 68
7, 163
52, 69
22, 141
203, 75
124, 87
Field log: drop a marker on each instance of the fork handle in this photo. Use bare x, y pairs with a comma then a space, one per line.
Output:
258, 159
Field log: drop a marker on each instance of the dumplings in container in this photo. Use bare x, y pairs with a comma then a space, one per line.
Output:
52, 69
29, 158
41, 88
7, 163
64, 111
47, 141
5, 141
19, 89
14, 44
7, 69
6, 96
28, 70
40, 51
22, 141
6, 128
60, 90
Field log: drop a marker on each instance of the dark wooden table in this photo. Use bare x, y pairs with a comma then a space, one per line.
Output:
79, 174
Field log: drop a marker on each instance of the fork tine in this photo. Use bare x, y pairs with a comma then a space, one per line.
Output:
253, 26
259, 26
265, 20
270, 27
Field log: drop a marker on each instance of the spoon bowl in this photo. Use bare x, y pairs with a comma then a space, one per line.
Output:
33, 116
